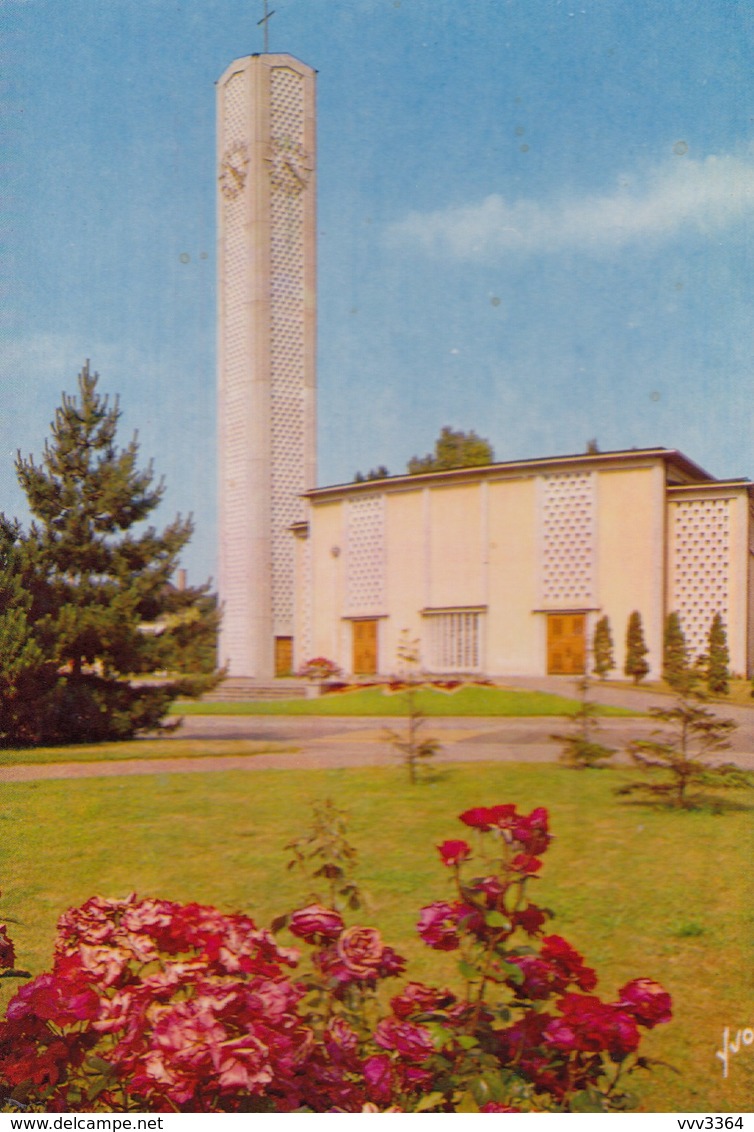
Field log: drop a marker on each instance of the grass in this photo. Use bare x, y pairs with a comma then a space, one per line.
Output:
639, 891
140, 749
739, 694
468, 700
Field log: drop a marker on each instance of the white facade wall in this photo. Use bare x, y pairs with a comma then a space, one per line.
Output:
472, 563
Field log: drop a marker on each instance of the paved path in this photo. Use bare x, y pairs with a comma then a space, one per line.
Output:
360, 741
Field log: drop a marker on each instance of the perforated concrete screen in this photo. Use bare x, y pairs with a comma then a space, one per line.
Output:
701, 537
568, 539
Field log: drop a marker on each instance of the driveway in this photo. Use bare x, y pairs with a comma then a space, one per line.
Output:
359, 741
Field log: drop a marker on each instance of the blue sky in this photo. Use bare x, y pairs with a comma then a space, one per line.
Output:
535, 220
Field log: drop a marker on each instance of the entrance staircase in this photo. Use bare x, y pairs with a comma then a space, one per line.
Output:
238, 689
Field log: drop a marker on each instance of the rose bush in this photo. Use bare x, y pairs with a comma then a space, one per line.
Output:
157, 1006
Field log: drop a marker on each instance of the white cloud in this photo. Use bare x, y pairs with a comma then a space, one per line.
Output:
705, 196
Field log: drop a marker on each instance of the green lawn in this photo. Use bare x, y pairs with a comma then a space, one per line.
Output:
139, 749
639, 892
467, 700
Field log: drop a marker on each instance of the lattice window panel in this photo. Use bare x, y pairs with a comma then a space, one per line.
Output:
568, 539
454, 641
365, 568
235, 337
700, 585
287, 356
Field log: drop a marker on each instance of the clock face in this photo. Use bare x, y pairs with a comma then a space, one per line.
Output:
290, 166
233, 171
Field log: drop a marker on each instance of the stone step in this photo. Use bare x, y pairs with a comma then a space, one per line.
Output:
237, 689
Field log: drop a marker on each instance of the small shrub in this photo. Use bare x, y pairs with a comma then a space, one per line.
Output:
636, 664
691, 734
718, 658
414, 750
602, 648
675, 654
580, 748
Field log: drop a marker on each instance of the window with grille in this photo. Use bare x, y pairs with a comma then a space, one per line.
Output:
454, 640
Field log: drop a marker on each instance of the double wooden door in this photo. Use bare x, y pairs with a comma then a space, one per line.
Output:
566, 644
365, 648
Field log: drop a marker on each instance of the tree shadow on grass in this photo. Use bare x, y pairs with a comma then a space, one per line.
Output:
700, 803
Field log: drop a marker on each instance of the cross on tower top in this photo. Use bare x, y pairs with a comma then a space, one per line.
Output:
265, 22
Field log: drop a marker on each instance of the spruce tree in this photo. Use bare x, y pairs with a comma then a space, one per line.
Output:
602, 648
636, 664
718, 657
98, 578
25, 676
675, 654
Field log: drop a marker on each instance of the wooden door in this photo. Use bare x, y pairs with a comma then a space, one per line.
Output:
566, 644
365, 648
283, 656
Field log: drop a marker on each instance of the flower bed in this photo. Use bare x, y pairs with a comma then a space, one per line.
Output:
158, 1006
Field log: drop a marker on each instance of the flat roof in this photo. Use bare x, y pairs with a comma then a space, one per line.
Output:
686, 471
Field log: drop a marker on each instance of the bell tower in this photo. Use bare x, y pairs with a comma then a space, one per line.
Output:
266, 350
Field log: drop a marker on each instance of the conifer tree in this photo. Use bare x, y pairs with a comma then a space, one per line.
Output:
602, 648
675, 654
636, 664
97, 578
718, 657
24, 675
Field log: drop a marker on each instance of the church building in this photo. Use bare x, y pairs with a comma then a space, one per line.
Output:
497, 570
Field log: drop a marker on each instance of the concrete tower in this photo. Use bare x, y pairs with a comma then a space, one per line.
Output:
266, 356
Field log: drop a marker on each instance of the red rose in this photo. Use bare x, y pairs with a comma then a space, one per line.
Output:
567, 963
538, 977
503, 816
531, 919
487, 817
647, 1002
589, 1025
316, 923
454, 852
490, 888
7, 951
479, 817
531, 831
524, 863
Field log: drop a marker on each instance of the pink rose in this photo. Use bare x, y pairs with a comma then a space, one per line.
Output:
378, 1077
438, 926
316, 923
361, 950
411, 1042
415, 998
